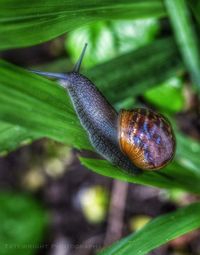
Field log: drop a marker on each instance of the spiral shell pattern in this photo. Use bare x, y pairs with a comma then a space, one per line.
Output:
146, 138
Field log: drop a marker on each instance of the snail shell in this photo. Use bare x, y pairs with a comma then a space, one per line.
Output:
146, 137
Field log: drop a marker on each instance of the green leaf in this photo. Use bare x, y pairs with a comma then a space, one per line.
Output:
39, 106
110, 38
171, 89
25, 24
159, 231
185, 35
172, 176
195, 6
23, 222
188, 151
137, 71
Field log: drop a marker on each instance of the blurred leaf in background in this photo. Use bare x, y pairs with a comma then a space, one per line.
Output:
23, 224
108, 39
186, 37
168, 96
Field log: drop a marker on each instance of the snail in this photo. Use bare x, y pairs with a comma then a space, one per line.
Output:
131, 139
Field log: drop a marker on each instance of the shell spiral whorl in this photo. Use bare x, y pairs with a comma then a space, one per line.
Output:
146, 138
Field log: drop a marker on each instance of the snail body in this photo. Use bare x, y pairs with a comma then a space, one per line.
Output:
132, 140
97, 117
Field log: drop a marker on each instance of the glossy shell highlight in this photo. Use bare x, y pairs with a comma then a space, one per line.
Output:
146, 137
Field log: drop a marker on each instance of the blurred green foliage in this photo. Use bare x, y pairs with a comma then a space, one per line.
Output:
94, 202
171, 89
186, 37
107, 39
23, 224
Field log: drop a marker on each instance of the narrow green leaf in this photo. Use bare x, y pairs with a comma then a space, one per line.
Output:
195, 6
159, 231
172, 176
25, 24
185, 35
188, 151
172, 89
147, 67
39, 106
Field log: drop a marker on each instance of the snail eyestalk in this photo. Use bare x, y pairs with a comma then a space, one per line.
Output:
78, 64
59, 76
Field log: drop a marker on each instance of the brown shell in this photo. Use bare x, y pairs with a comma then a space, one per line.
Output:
146, 138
